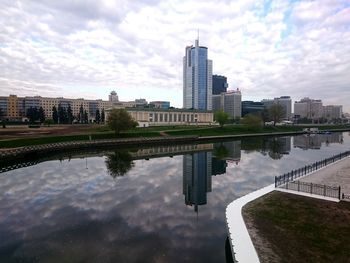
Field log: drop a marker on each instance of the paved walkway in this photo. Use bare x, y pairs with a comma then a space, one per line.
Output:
333, 175
242, 246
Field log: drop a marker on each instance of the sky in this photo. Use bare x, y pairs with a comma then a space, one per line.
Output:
87, 48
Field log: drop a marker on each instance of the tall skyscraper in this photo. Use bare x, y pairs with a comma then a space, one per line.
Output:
219, 84
197, 78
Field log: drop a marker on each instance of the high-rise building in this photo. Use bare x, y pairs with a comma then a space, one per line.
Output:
308, 108
219, 84
197, 78
229, 102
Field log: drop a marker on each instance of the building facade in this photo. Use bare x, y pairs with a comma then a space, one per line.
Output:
219, 84
160, 104
159, 117
251, 107
197, 78
331, 112
284, 101
308, 108
229, 102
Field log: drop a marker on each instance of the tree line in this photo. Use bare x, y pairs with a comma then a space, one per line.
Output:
63, 115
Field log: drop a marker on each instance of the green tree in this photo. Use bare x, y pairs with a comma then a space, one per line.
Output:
103, 116
86, 117
54, 114
221, 152
48, 122
41, 114
252, 121
221, 117
32, 114
62, 114
120, 120
69, 114
81, 114
276, 113
265, 116
119, 163
97, 116
2, 119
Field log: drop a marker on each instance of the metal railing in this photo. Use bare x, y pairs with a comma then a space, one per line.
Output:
311, 188
294, 174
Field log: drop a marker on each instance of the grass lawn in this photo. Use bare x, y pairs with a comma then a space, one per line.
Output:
290, 228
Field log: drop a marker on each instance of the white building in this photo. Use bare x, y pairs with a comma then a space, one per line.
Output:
197, 78
159, 117
331, 112
229, 102
284, 101
308, 108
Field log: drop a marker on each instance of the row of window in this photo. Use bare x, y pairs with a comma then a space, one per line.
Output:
172, 117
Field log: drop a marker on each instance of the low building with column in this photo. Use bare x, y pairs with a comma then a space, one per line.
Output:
163, 117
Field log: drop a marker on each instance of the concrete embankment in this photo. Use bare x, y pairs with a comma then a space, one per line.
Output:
22, 152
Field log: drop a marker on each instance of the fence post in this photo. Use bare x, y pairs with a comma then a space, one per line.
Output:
339, 192
275, 181
298, 186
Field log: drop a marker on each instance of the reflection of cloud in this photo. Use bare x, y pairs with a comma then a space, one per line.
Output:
54, 206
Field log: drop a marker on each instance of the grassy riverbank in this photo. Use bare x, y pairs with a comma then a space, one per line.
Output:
102, 132
290, 228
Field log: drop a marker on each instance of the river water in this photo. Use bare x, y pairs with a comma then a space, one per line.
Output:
160, 204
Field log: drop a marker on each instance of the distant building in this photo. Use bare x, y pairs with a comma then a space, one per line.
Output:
113, 97
308, 108
249, 107
197, 78
331, 112
160, 104
229, 102
156, 117
284, 101
219, 84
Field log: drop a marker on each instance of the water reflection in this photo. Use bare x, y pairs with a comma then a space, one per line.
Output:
315, 141
119, 163
61, 211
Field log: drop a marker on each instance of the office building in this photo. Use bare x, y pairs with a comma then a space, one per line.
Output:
331, 112
160, 104
284, 101
197, 78
308, 108
251, 107
219, 84
229, 102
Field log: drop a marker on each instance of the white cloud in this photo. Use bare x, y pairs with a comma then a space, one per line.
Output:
87, 48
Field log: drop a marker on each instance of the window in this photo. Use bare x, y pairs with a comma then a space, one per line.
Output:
170, 117
192, 118
156, 117
151, 117
160, 117
166, 117
188, 117
179, 118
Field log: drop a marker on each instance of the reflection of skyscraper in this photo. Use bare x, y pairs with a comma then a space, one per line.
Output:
197, 170
285, 144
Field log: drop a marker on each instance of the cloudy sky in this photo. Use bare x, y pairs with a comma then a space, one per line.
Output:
86, 48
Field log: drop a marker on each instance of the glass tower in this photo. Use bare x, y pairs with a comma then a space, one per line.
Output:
197, 78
